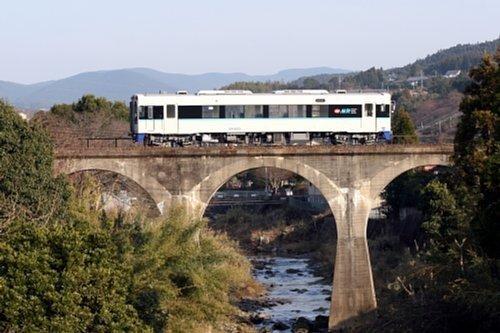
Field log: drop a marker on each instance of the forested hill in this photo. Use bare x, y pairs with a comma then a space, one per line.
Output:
461, 56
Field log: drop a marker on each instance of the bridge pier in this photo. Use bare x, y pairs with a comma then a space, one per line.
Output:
348, 177
353, 290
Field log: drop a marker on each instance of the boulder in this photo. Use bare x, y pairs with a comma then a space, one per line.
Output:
321, 323
280, 326
302, 325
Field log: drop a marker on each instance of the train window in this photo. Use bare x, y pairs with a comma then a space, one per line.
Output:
235, 111
383, 110
319, 111
143, 112
278, 111
345, 111
209, 111
369, 110
189, 111
254, 111
150, 112
296, 111
158, 112
170, 111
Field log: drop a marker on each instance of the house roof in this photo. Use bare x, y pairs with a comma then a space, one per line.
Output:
453, 72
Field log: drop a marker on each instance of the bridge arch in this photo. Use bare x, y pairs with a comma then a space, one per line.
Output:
154, 190
384, 177
206, 189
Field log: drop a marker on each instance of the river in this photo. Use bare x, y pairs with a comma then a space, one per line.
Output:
293, 292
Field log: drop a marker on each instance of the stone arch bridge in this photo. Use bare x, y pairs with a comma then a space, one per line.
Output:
349, 177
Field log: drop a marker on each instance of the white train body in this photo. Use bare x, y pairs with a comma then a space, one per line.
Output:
279, 117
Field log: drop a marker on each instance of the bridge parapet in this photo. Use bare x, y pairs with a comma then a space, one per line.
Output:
141, 151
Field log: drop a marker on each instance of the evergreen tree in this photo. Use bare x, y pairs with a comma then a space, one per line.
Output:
403, 128
456, 276
477, 153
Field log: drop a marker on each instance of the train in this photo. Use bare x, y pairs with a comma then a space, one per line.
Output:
240, 117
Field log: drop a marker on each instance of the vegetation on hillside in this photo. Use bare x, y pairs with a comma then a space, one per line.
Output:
452, 283
256, 87
462, 57
67, 267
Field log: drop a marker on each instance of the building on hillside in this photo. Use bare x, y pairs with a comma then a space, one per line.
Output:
392, 77
452, 73
416, 80
23, 115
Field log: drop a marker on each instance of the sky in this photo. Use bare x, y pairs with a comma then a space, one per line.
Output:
53, 39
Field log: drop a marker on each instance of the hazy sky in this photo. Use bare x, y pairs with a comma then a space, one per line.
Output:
51, 39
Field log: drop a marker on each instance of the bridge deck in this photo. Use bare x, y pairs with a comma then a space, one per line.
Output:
141, 151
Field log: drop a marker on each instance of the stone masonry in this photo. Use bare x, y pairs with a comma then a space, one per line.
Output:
349, 177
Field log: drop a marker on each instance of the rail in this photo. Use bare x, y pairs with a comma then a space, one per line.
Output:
114, 139
397, 139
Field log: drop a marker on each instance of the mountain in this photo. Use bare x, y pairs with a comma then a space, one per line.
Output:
122, 83
461, 56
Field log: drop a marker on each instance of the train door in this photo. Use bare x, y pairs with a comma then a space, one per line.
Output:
369, 119
159, 118
171, 122
150, 123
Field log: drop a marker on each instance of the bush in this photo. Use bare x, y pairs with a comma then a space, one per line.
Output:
67, 267
88, 105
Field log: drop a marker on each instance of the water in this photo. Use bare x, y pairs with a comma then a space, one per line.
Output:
296, 293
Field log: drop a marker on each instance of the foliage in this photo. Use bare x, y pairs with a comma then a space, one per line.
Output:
27, 187
65, 266
462, 56
405, 190
477, 153
453, 283
63, 277
184, 275
403, 128
372, 78
257, 87
89, 104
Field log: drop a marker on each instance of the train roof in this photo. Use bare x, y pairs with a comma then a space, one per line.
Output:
303, 92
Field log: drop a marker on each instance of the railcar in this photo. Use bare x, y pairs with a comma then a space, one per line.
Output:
242, 117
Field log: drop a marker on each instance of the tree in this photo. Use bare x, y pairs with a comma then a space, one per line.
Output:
27, 187
403, 128
64, 277
455, 276
67, 267
477, 153
274, 177
310, 83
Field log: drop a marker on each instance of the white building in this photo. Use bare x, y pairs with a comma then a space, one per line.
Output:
452, 73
